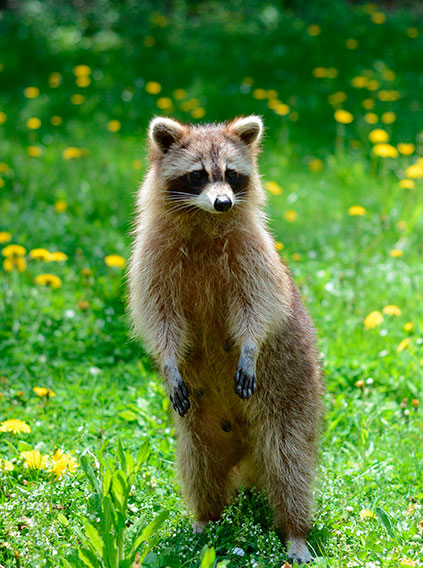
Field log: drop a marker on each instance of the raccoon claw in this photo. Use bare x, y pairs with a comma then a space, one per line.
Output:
299, 553
180, 398
245, 383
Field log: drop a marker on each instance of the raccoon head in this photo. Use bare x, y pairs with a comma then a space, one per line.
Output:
211, 167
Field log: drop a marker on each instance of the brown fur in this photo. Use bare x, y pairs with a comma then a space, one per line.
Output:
202, 287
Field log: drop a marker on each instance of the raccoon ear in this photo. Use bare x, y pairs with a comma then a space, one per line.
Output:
164, 132
249, 129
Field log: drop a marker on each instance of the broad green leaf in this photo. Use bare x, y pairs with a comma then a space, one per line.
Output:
208, 557
88, 558
94, 538
107, 478
120, 490
150, 529
121, 455
143, 454
128, 415
90, 474
383, 517
62, 519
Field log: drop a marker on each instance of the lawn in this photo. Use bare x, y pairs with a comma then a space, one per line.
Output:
339, 89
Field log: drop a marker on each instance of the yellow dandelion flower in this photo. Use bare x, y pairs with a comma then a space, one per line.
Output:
392, 310
388, 117
378, 18
149, 41
71, 153
406, 149
359, 82
77, 99
153, 87
81, 71
5, 237
31, 92
137, 164
273, 103
12, 251
396, 253
403, 345
412, 32
61, 205
1, 182
313, 30
259, 94
355, 210
351, 43
34, 459
282, 109
296, 257
402, 225
319, 72
3, 117
164, 103
39, 254
115, 260
406, 183
343, 116
273, 187
389, 75
385, 151
55, 80
4, 168
373, 85
360, 384
83, 81
371, 118
198, 112
15, 426
272, 94
278, 245
6, 465
373, 319
315, 165
50, 280
337, 98
416, 403
34, 151
378, 135
368, 104
388, 96
33, 123
62, 463
57, 256
366, 514
291, 215
44, 392
180, 94
83, 305
409, 326
56, 120
331, 73
114, 126
414, 171
18, 262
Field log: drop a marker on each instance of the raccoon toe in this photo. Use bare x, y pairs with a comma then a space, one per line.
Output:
180, 399
299, 553
245, 383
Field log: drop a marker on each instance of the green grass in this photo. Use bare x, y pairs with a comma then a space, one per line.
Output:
75, 340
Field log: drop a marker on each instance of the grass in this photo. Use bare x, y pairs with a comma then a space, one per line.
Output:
74, 339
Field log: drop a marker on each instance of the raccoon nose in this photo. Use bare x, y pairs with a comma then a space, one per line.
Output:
222, 203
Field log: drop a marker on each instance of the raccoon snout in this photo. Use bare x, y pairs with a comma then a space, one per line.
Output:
222, 203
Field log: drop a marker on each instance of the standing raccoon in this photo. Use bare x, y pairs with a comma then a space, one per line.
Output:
223, 319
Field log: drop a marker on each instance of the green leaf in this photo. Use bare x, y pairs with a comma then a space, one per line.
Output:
120, 490
383, 517
24, 446
121, 455
88, 558
149, 530
143, 454
208, 557
94, 538
62, 519
223, 563
107, 478
90, 474
128, 415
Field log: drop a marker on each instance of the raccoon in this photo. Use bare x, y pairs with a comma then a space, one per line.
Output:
223, 319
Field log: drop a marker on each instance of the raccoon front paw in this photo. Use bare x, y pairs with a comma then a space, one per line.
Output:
245, 382
179, 397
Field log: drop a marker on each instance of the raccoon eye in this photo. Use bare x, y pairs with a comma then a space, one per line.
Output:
197, 176
231, 175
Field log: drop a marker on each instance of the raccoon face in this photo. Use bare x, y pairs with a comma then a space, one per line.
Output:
207, 167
